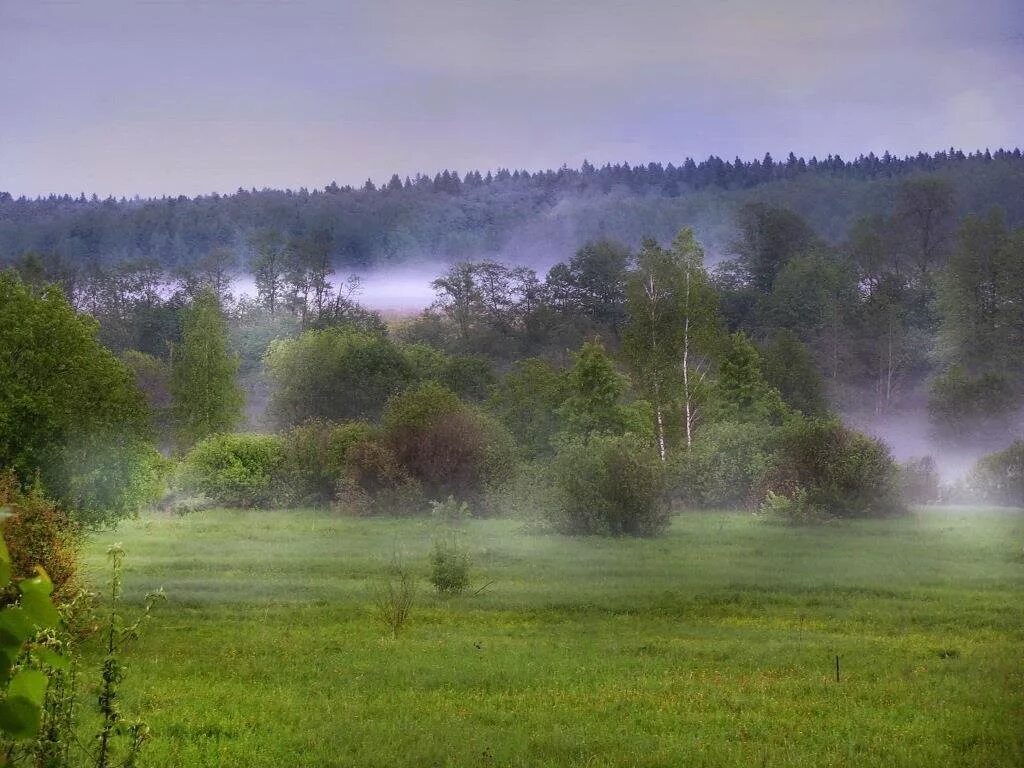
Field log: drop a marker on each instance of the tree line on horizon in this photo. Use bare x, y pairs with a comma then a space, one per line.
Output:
515, 215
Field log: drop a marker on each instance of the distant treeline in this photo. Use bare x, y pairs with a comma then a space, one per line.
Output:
517, 215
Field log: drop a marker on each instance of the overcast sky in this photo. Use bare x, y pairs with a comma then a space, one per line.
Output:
158, 96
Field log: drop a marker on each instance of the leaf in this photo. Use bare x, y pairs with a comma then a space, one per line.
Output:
29, 684
51, 658
19, 717
15, 628
5, 557
35, 600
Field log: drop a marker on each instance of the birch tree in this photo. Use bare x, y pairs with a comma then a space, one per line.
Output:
673, 328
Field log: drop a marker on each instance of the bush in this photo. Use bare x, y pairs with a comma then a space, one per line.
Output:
453, 449
609, 485
723, 466
919, 481
38, 532
999, 477
449, 567
374, 483
313, 460
833, 471
237, 470
394, 597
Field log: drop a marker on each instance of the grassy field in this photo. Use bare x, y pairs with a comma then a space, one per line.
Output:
712, 646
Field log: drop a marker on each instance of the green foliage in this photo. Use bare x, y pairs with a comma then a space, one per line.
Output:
963, 406
450, 566
337, 374
769, 237
527, 400
999, 477
723, 466
982, 297
789, 367
153, 378
375, 483
609, 485
206, 397
673, 332
69, 409
741, 392
237, 470
594, 392
448, 446
23, 687
38, 533
828, 470
314, 458
394, 597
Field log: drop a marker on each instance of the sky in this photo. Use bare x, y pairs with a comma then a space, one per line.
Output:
157, 97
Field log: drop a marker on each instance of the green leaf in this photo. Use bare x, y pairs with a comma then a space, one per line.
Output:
29, 684
35, 600
19, 717
15, 627
51, 658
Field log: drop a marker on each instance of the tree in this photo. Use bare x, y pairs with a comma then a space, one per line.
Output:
595, 392
789, 368
204, 389
982, 296
924, 214
268, 264
336, 374
69, 410
672, 332
741, 392
768, 238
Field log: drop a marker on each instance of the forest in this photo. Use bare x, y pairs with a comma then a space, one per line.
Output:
623, 369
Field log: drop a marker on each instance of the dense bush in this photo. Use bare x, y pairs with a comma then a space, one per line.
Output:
833, 471
450, 564
38, 532
724, 465
237, 470
609, 485
999, 477
313, 459
448, 446
375, 483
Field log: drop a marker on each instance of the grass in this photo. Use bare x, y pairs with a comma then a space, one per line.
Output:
712, 646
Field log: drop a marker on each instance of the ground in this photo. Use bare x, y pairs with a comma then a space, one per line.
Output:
715, 645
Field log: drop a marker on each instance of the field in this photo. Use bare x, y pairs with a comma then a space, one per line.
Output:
713, 646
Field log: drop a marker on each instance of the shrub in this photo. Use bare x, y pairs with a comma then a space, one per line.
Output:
450, 447
38, 532
394, 597
313, 459
723, 465
235, 470
609, 485
373, 482
919, 481
999, 477
796, 508
842, 473
449, 566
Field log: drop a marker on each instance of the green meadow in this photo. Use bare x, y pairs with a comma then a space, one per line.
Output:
715, 645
